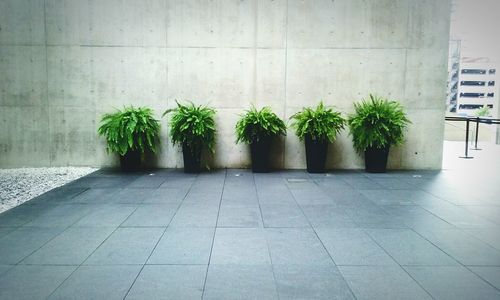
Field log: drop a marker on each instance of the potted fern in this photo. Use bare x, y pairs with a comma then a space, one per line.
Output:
257, 128
375, 125
130, 133
317, 127
192, 127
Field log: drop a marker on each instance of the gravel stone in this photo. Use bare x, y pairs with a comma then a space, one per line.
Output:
20, 185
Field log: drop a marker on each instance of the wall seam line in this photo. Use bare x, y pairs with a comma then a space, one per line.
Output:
49, 127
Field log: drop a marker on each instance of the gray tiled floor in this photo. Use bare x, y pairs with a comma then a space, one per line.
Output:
231, 234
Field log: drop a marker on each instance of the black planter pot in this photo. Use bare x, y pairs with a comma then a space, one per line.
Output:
376, 159
131, 161
315, 155
260, 152
192, 159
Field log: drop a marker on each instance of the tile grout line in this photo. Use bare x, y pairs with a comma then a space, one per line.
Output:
159, 239
453, 258
400, 266
81, 264
317, 236
45, 227
213, 237
285, 81
265, 236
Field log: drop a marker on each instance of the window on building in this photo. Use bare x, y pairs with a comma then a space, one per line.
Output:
470, 106
474, 71
491, 83
472, 95
492, 71
491, 95
475, 83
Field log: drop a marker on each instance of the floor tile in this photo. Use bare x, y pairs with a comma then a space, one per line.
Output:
361, 183
151, 215
106, 216
347, 197
399, 197
372, 216
22, 242
416, 217
409, 248
330, 216
490, 274
283, 215
246, 246
183, 246
463, 247
6, 230
278, 194
71, 247
353, 247
166, 196
333, 184
148, 181
32, 282
126, 246
457, 215
19, 215
240, 282
98, 282
296, 246
58, 195
5, 268
246, 216
169, 282
96, 196
452, 283
490, 236
313, 196
285, 234
195, 215
490, 212
60, 216
382, 282
133, 195
393, 183
178, 182
311, 282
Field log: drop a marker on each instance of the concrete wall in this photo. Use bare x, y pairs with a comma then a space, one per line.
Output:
63, 63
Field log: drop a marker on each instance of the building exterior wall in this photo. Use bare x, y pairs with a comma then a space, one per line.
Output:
471, 97
65, 62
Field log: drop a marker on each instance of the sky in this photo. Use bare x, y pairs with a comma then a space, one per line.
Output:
477, 24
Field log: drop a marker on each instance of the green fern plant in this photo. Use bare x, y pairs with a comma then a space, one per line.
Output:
257, 124
193, 126
321, 124
377, 123
130, 129
483, 111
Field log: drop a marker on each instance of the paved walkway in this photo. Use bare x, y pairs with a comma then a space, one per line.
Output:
237, 235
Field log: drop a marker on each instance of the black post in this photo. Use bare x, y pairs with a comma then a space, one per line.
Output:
467, 141
477, 134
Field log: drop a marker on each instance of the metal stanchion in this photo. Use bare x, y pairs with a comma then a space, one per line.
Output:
477, 134
467, 141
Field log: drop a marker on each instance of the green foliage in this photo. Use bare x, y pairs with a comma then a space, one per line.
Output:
483, 111
322, 124
256, 124
192, 125
377, 123
130, 129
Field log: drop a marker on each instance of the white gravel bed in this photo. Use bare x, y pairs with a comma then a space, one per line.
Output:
20, 185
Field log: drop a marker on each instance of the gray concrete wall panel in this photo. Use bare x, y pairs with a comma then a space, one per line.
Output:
64, 63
